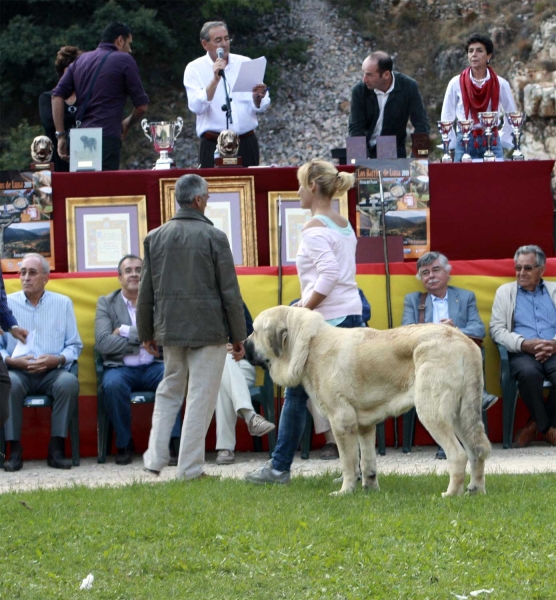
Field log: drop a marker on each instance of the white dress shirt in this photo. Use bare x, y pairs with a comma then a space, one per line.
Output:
382, 97
210, 116
452, 107
133, 360
439, 308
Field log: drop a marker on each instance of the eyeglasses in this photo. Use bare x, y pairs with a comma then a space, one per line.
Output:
219, 40
526, 268
435, 271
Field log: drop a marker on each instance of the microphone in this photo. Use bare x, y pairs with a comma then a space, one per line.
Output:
220, 54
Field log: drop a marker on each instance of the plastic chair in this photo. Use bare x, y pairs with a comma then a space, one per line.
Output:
409, 420
104, 427
43, 401
308, 436
262, 397
510, 394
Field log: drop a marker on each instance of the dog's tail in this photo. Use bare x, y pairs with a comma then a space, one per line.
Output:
471, 421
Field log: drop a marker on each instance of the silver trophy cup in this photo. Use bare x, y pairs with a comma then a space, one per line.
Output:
465, 126
163, 134
445, 127
488, 121
516, 121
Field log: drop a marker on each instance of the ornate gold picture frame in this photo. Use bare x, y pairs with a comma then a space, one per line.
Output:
292, 217
231, 207
102, 229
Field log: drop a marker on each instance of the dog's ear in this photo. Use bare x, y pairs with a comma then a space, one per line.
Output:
277, 341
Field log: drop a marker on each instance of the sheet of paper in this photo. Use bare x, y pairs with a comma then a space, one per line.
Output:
22, 349
251, 73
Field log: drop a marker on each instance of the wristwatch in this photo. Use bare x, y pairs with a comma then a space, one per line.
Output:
59, 134
60, 363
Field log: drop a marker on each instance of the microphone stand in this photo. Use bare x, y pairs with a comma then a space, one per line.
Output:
227, 108
387, 272
280, 293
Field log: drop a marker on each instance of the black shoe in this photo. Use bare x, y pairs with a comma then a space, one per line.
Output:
57, 460
125, 455
174, 451
14, 463
488, 400
440, 454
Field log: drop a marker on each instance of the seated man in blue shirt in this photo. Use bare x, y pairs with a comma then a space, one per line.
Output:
443, 303
128, 367
44, 369
524, 322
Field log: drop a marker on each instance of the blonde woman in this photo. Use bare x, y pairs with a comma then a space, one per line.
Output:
326, 267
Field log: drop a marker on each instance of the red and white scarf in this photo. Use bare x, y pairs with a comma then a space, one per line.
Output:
476, 99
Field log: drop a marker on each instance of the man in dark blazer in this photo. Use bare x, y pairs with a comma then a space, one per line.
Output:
383, 102
443, 303
127, 366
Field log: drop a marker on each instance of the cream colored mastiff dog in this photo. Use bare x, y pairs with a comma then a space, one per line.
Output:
358, 377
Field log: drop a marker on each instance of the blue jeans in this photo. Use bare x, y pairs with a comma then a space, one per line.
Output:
294, 411
480, 151
117, 384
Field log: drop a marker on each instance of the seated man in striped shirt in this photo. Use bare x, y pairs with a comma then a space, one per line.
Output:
54, 344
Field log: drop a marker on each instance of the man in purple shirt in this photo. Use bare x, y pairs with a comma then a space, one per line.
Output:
128, 367
102, 80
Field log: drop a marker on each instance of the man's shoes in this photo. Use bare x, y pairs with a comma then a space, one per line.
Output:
489, 400
259, 426
225, 457
526, 435
174, 451
125, 455
550, 436
267, 474
440, 454
15, 462
329, 452
57, 460
151, 471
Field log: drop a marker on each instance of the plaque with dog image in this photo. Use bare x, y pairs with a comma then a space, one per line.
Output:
85, 149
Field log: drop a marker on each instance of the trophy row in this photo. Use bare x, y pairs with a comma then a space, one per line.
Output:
488, 120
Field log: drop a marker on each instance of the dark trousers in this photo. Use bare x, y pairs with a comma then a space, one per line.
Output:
5, 387
248, 150
111, 150
530, 375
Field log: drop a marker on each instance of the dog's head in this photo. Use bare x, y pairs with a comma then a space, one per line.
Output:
228, 143
41, 149
281, 341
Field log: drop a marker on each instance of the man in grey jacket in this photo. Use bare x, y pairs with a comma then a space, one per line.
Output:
524, 322
127, 366
189, 301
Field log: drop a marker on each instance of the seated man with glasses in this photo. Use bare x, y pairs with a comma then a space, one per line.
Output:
206, 80
524, 322
443, 303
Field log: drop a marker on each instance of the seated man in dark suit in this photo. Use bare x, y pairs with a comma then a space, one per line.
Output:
42, 367
127, 366
445, 304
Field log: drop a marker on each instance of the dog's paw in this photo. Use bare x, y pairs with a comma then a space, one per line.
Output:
343, 492
472, 491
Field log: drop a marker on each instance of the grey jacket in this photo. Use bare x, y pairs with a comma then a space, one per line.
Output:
111, 313
502, 317
189, 294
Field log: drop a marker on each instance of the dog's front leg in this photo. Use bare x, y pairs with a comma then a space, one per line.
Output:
346, 438
367, 440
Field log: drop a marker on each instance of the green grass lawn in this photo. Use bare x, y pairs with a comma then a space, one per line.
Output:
226, 539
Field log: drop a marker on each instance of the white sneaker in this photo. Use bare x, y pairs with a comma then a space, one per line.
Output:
225, 457
266, 474
259, 426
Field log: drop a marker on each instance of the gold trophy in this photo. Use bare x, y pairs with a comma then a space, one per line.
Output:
516, 121
445, 127
465, 126
488, 121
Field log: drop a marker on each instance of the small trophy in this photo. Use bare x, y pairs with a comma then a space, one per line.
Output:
516, 121
488, 121
227, 147
465, 126
163, 134
41, 153
445, 127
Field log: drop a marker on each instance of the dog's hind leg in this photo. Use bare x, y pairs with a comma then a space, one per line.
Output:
476, 460
344, 428
367, 439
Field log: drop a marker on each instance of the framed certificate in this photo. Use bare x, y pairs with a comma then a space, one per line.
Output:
231, 207
103, 229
